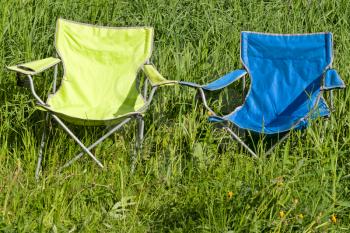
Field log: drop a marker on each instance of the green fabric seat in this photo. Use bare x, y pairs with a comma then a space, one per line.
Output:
100, 66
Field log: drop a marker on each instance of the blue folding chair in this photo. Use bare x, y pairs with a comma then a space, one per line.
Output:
288, 76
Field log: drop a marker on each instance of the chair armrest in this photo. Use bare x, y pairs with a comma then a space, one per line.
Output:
190, 84
220, 83
35, 67
155, 77
332, 81
225, 80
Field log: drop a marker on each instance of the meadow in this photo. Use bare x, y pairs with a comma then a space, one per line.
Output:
190, 177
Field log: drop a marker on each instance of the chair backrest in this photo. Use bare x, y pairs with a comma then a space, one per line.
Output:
101, 63
286, 71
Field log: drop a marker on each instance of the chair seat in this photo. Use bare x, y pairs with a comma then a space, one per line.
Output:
281, 123
100, 72
93, 115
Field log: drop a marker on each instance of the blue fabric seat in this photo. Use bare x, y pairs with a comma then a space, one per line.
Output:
281, 123
288, 74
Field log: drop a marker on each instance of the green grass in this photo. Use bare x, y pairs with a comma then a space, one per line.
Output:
187, 166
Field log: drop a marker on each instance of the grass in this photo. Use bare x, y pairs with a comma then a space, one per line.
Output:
187, 166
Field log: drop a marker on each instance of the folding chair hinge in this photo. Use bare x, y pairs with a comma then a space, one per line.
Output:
44, 105
139, 116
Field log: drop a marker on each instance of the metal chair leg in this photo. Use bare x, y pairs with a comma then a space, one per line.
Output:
42, 145
139, 140
241, 141
277, 143
250, 150
141, 128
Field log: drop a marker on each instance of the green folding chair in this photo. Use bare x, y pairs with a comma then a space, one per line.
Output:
99, 85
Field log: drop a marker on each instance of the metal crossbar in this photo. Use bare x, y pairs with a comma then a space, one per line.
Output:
235, 136
277, 143
117, 127
86, 150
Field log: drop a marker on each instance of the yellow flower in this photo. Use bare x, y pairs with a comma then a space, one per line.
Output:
229, 195
300, 216
295, 201
334, 218
279, 180
282, 214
